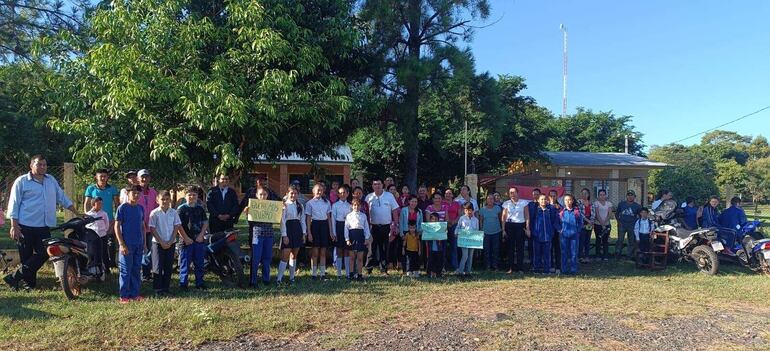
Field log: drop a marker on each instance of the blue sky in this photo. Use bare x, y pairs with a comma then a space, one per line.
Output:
678, 67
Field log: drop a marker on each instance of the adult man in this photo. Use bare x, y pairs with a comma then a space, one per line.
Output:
383, 212
222, 203
734, 216
109, 195
149, 201
423, 201
32, 207
261, 182
627, 213
515, 217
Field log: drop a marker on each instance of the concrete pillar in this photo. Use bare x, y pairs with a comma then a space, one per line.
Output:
614, 187
472, 181
283, 174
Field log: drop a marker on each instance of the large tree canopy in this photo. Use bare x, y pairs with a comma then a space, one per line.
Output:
209, 83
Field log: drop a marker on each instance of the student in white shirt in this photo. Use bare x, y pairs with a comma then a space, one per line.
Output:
642, 229
293, 231
468, 222
165, 225
357, 235
340, 211
319, 231
100, 226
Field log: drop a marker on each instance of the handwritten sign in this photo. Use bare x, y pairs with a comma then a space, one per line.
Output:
434, 231
472, 239
265, 211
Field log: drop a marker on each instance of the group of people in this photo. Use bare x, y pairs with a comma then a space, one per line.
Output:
357, 233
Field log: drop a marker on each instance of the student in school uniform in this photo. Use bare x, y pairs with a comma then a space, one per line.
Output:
571, 225
467, 222
319, 231
554, 201
340, 211
642, 230
194, 226
261, 245
293, 234
165, 224
101, 227
357, 235
545, 223
129, 230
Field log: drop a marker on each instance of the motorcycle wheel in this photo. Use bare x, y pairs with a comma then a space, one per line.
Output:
764, 265
705, 259
70, 282
235, 276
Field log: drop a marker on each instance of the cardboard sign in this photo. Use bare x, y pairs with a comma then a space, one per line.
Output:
472, 239
434, 231
265, 211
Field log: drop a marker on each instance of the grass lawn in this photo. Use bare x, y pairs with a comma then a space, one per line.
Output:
552, 310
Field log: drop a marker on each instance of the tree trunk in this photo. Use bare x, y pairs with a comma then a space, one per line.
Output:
411, 106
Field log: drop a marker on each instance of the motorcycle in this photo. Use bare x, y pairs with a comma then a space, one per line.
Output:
223, 257
699, 246
70, 256
747, 247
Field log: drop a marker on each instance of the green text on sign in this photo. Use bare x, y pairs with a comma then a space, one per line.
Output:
434, 231
472, 239
265, 211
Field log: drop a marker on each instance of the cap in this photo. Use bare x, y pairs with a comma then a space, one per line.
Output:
295, 181
131, 173
631, 192
143, 172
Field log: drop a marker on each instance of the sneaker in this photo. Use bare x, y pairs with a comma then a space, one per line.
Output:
12, 283
124, 300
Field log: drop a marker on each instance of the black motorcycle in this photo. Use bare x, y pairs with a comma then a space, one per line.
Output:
223, 257
70, 256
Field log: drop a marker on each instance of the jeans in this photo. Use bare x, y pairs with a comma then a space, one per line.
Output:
163, 263
602, 240
556, 250
569, 250
192, 254
261, 252
451, 262
378, 254
491, 250
129, 268
626, 231
466, 262
542, 256
584, 245
147, 258
515, 233
32, 253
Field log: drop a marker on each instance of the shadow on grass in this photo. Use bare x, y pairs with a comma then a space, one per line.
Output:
17, 307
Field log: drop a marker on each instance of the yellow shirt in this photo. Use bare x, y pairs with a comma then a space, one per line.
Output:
412, 242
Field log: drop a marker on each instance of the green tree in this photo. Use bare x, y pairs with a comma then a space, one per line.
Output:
196, 85
724, 145
691, 172
758, 182
595, 132
759, 148
412, 41
731, 178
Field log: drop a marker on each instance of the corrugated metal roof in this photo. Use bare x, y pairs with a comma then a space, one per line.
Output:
600, 159
343, 155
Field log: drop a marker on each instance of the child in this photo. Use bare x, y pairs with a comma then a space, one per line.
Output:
546, 222
340, 211
319, 227
164, 225
357, 235
101, 226
129, 230
571, 226
690, 214
411, 250
292, 234
261, 245
435, 253
553, 201
194, 225
334, 191
467, 222
642, 230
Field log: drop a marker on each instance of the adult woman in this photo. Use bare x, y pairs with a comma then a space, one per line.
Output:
602, 228
465, 196
586, 209
453, 214
404, 199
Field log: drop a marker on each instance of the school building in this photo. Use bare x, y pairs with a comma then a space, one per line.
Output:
615, 172
280, 173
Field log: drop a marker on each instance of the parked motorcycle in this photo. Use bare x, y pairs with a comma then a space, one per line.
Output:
699, 246
747, 247
223, 257
70, 256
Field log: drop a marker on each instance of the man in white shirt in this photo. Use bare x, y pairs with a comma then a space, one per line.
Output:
383, 213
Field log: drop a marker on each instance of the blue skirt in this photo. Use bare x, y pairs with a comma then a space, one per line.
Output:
320, 231
358, 239
294, 233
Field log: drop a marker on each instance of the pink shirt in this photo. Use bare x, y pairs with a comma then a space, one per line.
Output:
453, 212
149, 201
442, 210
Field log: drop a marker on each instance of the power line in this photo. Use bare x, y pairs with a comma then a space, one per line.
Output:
724, 124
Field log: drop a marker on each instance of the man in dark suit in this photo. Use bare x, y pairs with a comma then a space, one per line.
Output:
222, 203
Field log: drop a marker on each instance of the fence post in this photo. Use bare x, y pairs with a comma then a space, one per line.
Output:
68, 182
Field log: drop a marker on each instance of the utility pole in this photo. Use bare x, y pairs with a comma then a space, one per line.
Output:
466, 152
626, 143
564, 74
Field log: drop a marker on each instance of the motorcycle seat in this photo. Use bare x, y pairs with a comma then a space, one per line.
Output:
68, 241
684, 233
